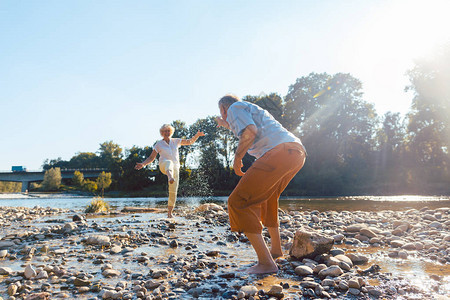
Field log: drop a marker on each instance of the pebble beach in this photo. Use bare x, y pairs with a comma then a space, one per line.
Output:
55, 253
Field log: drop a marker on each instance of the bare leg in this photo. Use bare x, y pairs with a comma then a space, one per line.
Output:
265, 261
170, 177
275, 241
169, 211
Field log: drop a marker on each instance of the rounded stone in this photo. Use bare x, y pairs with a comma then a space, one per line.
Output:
249, 290
353, 283
303, 271
403, 254
332, 271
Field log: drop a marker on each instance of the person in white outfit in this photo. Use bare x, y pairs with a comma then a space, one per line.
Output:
169, 160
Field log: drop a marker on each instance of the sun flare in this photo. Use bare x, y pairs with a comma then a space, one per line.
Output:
408, 29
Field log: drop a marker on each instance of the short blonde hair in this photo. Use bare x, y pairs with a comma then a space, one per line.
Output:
167, 126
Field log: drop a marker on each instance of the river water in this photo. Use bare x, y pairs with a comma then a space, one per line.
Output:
362, 203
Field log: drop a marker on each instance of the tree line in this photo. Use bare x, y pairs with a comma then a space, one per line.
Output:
351, 149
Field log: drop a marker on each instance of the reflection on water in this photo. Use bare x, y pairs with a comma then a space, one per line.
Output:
421, 273
364, 203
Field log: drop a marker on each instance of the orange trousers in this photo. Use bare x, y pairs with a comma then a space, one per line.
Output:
254, 201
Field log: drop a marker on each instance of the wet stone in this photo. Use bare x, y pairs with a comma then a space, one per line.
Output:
12, 289
303, 271
276, 290
6, 271
332, 271
81, 282
249, 290
29, 272
3, 253
173, 244
354, 291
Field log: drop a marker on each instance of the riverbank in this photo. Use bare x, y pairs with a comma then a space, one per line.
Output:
42, 195
60, 253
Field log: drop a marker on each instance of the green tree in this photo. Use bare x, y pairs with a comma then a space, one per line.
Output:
9, 187
273, 103
110, 151
55, 163
78, 179
131, 179
52, 179
428, 128
388, 166
90, 186
220, 139
104, 181
337, 127
84, 160
111, 158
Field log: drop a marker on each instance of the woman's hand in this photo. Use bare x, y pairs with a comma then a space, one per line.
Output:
200, 133
139, 166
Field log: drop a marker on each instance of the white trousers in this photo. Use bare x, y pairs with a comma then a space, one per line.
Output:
174, 169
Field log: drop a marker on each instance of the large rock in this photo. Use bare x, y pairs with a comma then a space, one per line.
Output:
6, 244
110, 273
115, 249
81, 282
98, 239
29, 272
332, 271
309, 244
42, 275
367, 232
358, 259
345, 259
355, 228
303, 271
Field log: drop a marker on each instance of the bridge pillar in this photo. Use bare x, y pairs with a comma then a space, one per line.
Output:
25, 185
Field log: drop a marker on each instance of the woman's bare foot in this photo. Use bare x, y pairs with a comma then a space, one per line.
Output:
169, 211
262, 269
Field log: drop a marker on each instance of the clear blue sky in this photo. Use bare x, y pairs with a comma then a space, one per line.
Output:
74, 74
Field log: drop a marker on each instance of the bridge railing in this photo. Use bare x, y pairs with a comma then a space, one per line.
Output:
85, 169
9, 171
62, 170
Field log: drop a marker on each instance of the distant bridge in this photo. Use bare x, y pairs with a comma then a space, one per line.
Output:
34, 176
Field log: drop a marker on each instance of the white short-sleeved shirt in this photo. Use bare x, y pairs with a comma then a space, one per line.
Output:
168, 151
270, 132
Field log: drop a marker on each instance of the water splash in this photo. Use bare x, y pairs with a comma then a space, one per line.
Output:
196, 185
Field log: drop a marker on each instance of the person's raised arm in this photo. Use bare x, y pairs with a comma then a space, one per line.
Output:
245, 142
193, 139
149, 160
